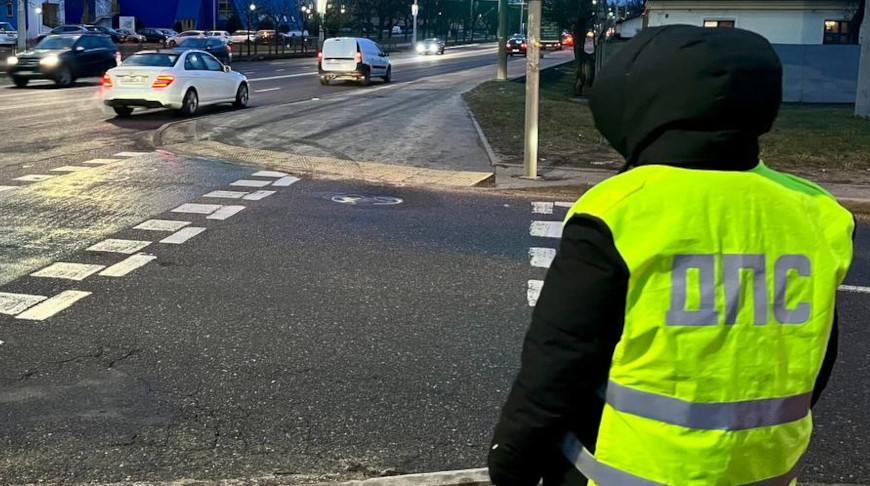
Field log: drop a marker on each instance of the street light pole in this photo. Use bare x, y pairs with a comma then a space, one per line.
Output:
22, 26
214, 16
533, 62
415, 9
321, 13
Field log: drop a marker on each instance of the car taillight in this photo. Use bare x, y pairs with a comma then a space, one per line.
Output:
163, 81
320, 56
358, 56
525, 45
107, 81
508, 45
229, 48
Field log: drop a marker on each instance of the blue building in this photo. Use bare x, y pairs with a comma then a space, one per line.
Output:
188, 14
51, 14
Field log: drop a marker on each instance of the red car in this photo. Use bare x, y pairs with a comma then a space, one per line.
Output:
567, 39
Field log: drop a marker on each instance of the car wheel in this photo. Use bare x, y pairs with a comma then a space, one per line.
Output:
123, 111
389, 76
64, 78
20, 82
190, 103
324, 80
242, 96
367, 77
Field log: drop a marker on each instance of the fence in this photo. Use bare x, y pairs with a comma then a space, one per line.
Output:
819, 73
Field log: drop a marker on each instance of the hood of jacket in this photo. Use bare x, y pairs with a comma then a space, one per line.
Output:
690, 97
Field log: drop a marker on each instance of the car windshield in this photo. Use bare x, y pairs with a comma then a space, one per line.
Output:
151, 59
57, 42
193, 43
6, 26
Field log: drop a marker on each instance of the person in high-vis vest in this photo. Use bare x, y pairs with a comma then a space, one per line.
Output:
687, 324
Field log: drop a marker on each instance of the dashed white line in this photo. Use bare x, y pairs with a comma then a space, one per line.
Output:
280, 70
12, 304
855, 288
285, 181
546, 229
68, 271
534, 291
132, 154
52, 306
564, 204
542, 208
541, 257
127, 265
265, 90
127, 247
226, 194
183, 235
249, 183
257, 195
285, 76
268, 173
7, 188
69, 168
101, 161
225, 212
162, 225
34, 178
197, 208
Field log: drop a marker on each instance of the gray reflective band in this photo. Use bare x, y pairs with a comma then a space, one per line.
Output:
741, 415
605, 475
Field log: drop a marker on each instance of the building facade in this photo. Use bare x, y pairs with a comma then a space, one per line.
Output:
49, 13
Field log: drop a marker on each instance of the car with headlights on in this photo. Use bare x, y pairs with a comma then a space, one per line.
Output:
431, 46
63, 59
178, 79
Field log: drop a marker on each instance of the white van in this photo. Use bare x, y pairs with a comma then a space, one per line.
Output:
353, 58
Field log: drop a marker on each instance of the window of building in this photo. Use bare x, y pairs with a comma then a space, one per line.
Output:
838, 32
9, 10
712, 24
224, 9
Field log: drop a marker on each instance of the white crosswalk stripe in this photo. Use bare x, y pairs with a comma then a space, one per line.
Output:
225, 212
546, 229
534, 291
127, 265
12, 304
68, 271
182, 235
162, 225
113, 245
52, 306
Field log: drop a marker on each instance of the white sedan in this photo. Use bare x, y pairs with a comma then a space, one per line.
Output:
176, 79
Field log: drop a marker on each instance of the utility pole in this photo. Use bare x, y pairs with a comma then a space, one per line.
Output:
502, 39
862, 101
22, 25
415, 9
533, 64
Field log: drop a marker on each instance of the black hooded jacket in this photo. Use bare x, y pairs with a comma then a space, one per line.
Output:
679, 95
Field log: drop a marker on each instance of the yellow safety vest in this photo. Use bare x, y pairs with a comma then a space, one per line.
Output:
729, 310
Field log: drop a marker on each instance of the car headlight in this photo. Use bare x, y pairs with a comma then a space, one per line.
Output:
11, 61
49, 61
420, 48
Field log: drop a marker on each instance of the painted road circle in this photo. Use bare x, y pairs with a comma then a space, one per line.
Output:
358, 200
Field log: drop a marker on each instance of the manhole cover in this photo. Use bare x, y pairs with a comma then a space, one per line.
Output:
357, 200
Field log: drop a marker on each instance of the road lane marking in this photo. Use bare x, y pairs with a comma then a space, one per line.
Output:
256, 196
68, 271
534, 291
564, 204
855, 288
268, 173
285, 181
113, 245
265, 90
283, 76
183, 235
127, 265
100, 161
53, 305
197, 208
226, 194
7, 188
69, 168
34, 178
280, 70
542, 208
541, 257
249, 183
132, 154
12, 304
225, 212
546, 229
162, 225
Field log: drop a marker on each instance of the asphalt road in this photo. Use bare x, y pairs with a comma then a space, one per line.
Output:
304, 335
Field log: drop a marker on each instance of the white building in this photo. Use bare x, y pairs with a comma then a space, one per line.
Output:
627, 28
804, 22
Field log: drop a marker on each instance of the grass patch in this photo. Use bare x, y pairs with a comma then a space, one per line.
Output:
823, 142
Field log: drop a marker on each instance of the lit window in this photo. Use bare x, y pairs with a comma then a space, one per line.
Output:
712, 24
838, 32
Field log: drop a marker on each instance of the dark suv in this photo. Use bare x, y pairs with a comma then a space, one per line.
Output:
154, 35
63, 58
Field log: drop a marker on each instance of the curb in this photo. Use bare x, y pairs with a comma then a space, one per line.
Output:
493, 158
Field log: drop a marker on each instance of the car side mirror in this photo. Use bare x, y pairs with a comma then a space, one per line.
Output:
80, 49
227, 69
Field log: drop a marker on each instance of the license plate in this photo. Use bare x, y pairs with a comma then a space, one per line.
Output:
516, 50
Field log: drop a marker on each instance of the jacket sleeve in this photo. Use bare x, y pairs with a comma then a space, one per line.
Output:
566, 355
828, 362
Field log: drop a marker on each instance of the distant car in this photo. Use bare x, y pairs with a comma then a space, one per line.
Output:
265, 36
219, 33
69, 29
174, 40
567, 39
213, 45
155, 35
431, 46
63, 59
175, 79
353, 58
8, 34
242, 36
396, 30
117, 37
517, 45
131, 36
